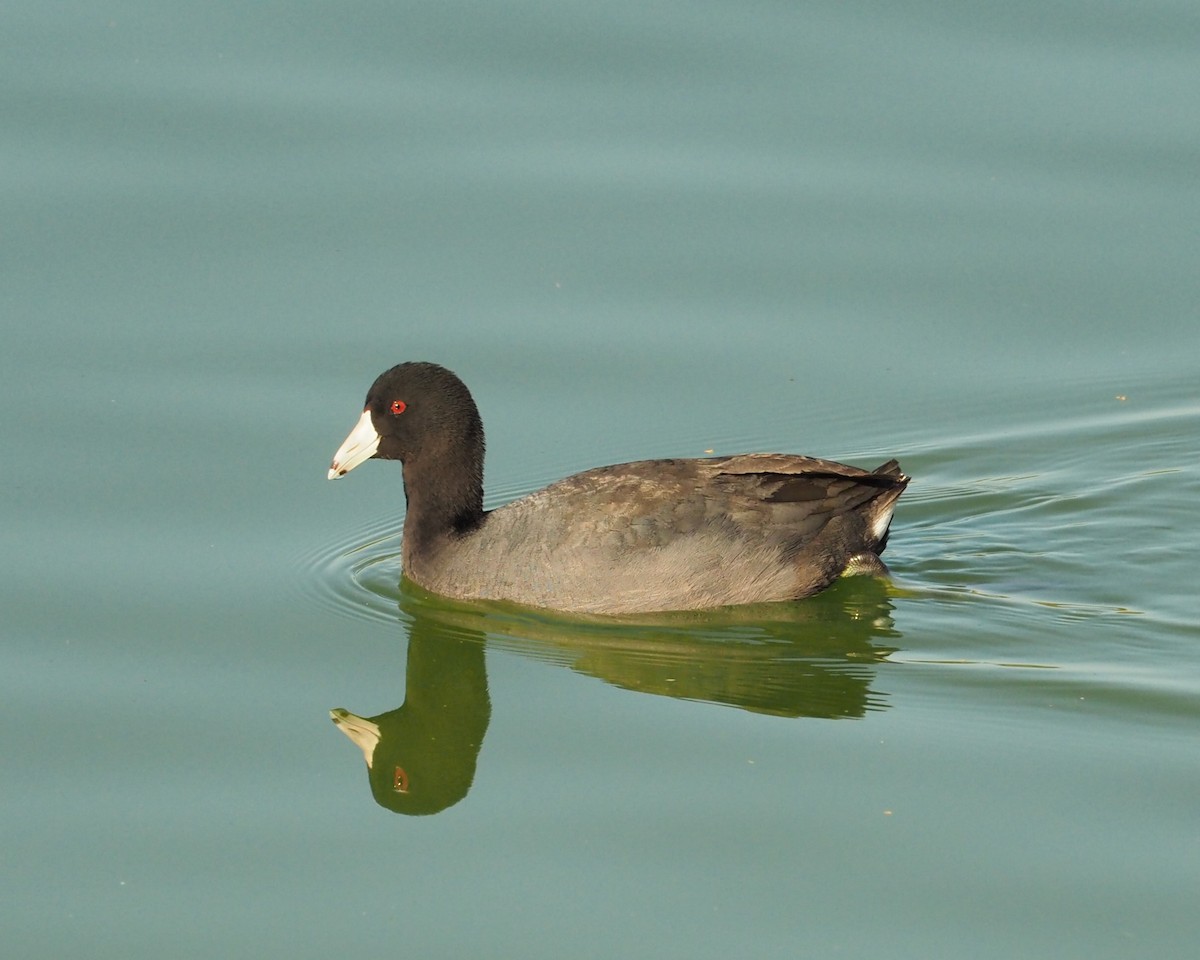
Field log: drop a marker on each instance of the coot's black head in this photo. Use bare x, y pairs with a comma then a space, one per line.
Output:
416, 413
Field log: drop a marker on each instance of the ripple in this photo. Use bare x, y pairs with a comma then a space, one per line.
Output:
1022, 520
357, 575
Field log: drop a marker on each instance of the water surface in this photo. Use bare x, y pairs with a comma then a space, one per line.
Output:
964, 237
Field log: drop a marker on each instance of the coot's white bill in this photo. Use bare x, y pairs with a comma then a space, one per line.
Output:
361, 445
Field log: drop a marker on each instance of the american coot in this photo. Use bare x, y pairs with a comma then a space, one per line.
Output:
653, 535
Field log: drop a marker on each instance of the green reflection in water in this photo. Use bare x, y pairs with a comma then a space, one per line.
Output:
810, 659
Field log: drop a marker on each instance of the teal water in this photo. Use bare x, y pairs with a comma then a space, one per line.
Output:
961, 236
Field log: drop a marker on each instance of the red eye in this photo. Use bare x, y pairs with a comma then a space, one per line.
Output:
398, 406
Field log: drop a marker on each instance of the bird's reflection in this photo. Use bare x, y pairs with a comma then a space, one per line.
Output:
421, 756
810, 659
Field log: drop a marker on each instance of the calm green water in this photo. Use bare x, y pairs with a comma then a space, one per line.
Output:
964, 236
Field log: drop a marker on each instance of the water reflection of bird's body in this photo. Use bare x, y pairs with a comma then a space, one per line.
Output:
814, 660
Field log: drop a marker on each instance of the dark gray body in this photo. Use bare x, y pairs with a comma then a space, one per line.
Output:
658, 535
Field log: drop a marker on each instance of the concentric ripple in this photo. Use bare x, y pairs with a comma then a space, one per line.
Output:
358, 575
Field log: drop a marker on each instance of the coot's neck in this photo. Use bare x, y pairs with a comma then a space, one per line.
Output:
443, 485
